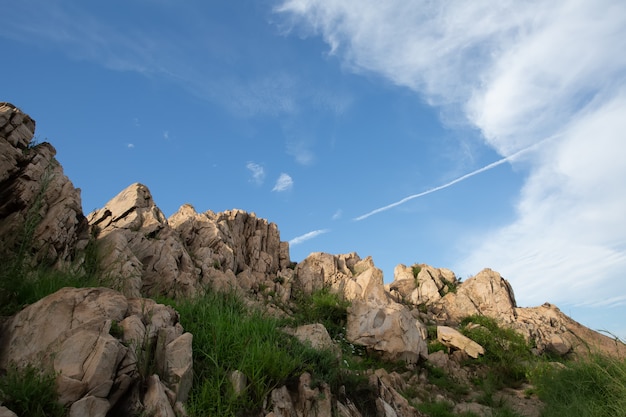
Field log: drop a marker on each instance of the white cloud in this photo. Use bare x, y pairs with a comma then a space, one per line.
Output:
307, 236
337, 215
130, 145
519, 72
283, 183
257, 171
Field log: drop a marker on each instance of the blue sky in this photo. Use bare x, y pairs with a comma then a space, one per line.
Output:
459, 134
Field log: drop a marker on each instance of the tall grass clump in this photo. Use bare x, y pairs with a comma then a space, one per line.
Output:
30, 392
229, 336
590, 387
507, 353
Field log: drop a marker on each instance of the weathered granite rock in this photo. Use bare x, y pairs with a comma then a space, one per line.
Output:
390, 403
232, 240
132, 226
487, 294
454, 339
388, 328
5, 412
314, 335
428, 286
305, 402
39, 205
319, 270
553, 331
80, 334
156, 402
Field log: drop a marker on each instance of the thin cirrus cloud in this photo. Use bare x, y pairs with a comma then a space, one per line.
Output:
283, 183
518, 72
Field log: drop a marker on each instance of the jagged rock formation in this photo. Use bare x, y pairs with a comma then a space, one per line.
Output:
40, 210
98, 339
145, 253
99, 343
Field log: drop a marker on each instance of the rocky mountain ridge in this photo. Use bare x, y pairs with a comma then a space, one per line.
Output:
94, 338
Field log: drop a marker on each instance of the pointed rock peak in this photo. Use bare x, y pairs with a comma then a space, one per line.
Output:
134, 196
131, 208
186, 210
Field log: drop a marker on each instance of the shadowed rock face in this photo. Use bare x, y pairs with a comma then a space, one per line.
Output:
39, 205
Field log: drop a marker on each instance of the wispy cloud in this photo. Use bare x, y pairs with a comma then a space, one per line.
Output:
166, 135
301, 151
283, 183
257, 171
307, 236
130, 145
337, 215
518, 72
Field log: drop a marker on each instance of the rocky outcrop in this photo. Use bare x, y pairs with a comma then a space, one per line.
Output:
141, 252
40, 210
147, 254
421, 284
374, 319
552, 331
487, 293
233, 248
101, 345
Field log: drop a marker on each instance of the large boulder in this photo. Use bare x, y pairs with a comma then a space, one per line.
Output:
99, 344
455, 340
40, 210
388, 329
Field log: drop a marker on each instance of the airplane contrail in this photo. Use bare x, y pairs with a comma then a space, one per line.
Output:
307, 236
449, 184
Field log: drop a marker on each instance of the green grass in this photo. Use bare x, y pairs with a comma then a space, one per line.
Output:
29, 392
322, 306
21, 286
507, 354
228, 336
592, 387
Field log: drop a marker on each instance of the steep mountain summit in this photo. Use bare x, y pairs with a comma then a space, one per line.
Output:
116, 351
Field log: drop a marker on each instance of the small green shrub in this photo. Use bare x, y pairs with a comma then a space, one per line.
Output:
29, 392
116, 330
436, 346
322, 306
416, 270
